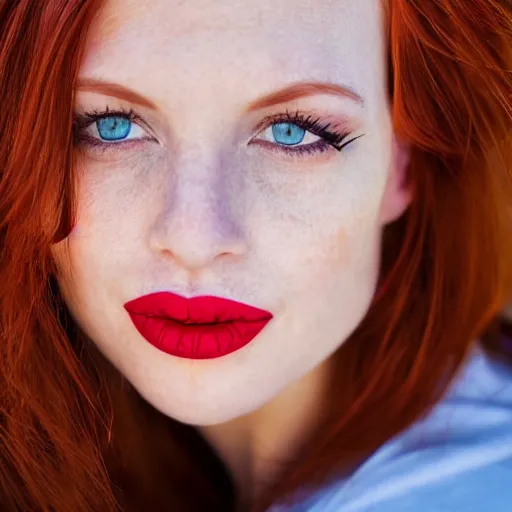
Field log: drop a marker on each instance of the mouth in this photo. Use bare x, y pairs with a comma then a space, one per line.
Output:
204, 327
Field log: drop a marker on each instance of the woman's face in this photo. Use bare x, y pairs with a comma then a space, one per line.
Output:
208, 190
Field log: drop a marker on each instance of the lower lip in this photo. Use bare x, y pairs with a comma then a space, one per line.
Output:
197, 341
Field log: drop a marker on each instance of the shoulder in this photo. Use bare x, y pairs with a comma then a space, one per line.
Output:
458, 459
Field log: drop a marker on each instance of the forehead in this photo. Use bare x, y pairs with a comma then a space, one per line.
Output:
183, 17
243, 41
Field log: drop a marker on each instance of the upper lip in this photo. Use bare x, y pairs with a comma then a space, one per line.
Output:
196, 310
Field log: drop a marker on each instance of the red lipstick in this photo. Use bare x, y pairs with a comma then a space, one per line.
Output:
197, 328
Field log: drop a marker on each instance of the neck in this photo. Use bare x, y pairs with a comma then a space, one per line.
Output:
255, 447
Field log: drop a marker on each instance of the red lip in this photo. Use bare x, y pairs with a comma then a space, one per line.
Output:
197, 328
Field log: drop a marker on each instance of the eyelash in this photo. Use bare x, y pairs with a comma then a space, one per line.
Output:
82, 121
329, 138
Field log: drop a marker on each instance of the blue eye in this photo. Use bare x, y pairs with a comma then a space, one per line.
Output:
110, 128
288, 134
291, 136
294, 134
113, 128
302, 134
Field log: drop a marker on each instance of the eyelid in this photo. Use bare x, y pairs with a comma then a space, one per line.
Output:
85, 119
286, 115
332, 133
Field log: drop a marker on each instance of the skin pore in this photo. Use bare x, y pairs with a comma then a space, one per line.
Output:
199, 201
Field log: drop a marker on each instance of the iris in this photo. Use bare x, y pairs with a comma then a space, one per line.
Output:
113, 127
288, 133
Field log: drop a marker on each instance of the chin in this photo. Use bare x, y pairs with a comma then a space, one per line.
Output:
197, 417
200, 410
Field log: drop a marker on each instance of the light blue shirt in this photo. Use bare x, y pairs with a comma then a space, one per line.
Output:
458, 459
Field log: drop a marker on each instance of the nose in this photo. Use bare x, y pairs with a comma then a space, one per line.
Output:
196, 224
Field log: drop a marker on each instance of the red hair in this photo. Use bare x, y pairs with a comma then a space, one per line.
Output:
74, 435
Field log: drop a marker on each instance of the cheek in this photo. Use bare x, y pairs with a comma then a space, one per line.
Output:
333, 263
346, 277
349, 240
343, 252
331, 235
352, 256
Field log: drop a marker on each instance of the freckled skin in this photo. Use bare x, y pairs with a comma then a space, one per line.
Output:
201, 211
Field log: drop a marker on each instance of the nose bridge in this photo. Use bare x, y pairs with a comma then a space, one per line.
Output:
196, 222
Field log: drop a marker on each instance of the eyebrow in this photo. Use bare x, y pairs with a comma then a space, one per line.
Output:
288, 93
304, 89
115, 91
